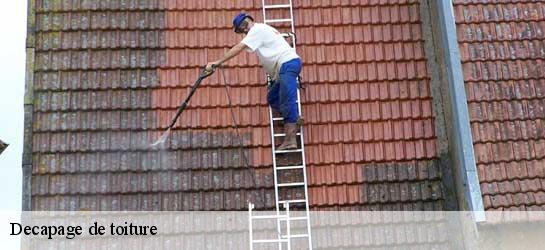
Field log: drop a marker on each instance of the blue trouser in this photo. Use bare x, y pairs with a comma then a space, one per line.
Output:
282, 94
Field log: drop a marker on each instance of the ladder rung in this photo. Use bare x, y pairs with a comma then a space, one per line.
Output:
293, 201
266, 217
282, 135
278, 119
289, 167
295, 218
276, 6
278, 20
293, 184
270, 241
288, 151
296, 236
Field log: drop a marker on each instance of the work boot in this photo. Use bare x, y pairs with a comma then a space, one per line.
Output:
290, 140
300, 122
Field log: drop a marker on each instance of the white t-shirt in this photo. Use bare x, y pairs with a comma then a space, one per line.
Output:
271, 48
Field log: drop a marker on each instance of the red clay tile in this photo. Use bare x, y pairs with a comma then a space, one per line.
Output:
391, 71
431, 149
390, 151
419, 149
426, 107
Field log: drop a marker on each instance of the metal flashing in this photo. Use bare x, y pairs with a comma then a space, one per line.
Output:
461, 138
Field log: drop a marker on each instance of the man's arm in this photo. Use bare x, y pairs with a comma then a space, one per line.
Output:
230, 54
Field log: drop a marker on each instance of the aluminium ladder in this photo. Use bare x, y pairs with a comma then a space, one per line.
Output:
284, 215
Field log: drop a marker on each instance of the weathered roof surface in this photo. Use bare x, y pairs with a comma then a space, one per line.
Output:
369, 135
110, 74
3, 146
502, 51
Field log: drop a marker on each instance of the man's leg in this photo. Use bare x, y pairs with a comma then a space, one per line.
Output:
288, 102
273, 96
288, 90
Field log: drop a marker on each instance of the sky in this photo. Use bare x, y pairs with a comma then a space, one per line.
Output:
12, 89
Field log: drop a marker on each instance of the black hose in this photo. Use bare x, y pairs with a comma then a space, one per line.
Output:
240, 138
204, 74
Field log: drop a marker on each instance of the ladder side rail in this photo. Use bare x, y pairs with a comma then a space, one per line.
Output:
275, 176
288, 224
292, 20
305, 179
264, 15
250, 207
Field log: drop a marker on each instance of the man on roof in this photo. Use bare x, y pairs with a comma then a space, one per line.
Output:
282, 64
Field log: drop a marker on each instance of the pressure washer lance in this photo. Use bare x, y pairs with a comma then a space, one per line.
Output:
204, 74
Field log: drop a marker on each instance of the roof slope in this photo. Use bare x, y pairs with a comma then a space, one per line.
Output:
110, 74
370, 138
502, 48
